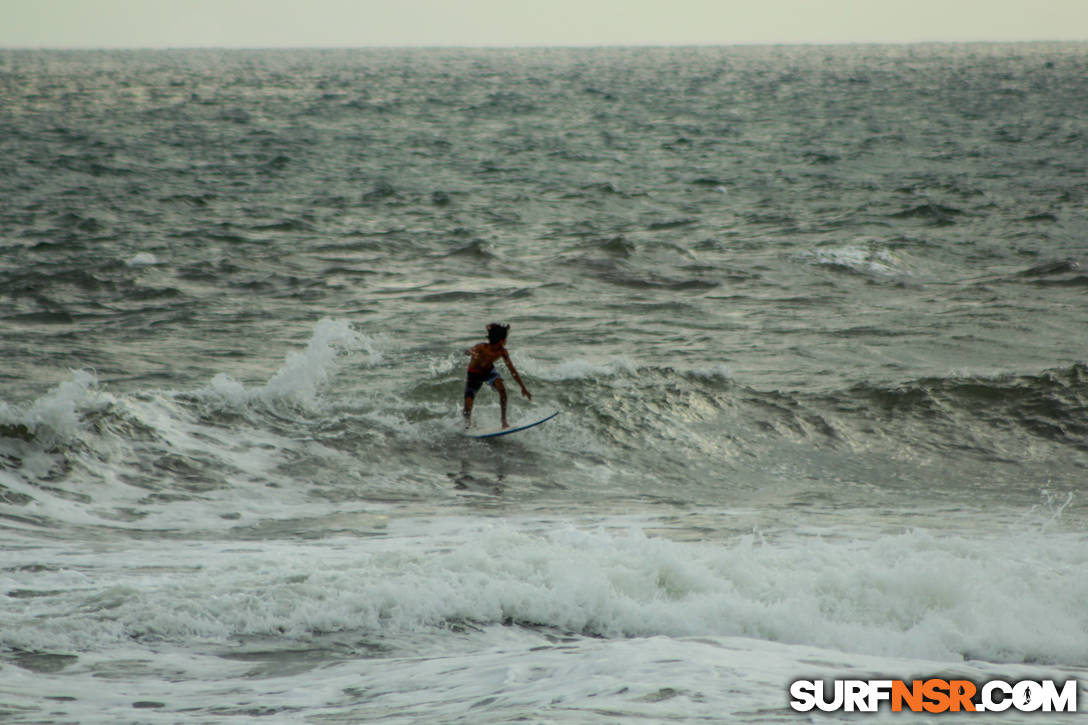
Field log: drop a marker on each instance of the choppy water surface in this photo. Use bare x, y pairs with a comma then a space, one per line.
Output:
814, 317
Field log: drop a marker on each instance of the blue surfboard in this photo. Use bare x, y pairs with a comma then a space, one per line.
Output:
516, 429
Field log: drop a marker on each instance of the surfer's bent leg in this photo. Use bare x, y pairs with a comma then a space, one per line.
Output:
473, 381
502, 400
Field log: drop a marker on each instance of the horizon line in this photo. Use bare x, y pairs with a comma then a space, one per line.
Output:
546, 46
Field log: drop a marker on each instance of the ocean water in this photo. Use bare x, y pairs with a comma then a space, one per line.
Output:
814, 319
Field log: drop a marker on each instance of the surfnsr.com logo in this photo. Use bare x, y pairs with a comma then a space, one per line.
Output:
933, 695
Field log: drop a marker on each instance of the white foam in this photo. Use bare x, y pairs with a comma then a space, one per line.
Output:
117, 475
142, 259
56, 414
720, 371
412, 626
1017, 598
878, 261
117, 466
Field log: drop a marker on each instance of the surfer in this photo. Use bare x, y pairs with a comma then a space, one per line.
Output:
481, 369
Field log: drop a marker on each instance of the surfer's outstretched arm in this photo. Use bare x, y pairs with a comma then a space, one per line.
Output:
514, 374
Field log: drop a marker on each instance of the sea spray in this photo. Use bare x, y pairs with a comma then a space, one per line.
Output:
56, 416
299, 379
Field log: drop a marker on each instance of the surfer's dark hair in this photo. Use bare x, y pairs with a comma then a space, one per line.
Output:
496, 332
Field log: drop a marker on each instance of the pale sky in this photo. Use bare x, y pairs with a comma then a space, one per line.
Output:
356, 23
